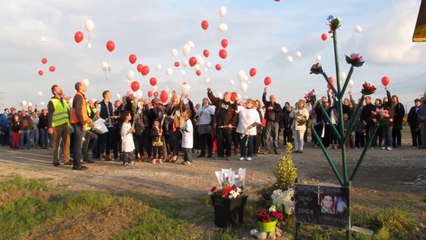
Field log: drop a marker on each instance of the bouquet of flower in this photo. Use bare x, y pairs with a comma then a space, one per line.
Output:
333, 22
381, 116
311, 97
368, 89
316, 69
231, 185
284, 199
355, 60
300, 119
270, 215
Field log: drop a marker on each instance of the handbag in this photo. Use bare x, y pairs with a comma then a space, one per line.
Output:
99, 126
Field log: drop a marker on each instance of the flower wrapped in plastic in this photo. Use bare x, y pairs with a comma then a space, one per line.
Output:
310, 97
333, 22
230, 185
355, 60
284, 199
316, 69
381, 116
368, 89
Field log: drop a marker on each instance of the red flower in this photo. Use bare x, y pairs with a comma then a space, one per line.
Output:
214, 189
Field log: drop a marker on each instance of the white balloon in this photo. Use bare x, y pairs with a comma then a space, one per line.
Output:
222, 11
185, 88
23, 103
223, 27
342, 77
130, 75
43, 39
358, 28
232, 82
42, 103
199, 59
197, 67
208, 64
243, 86
289, 59
238, 97
284, 50
174, 52
89, 45
86, 82
242, 75
219, 94
158, 67
186, 49
185, 63
191, 43
40, 93
318, 58
129, 81
183, 72
245, 78
207, 80
169, 71
298, 54
138, 94
118, 95
350, 84
167, 89
90, 25
155, 87
30, 104
105, 66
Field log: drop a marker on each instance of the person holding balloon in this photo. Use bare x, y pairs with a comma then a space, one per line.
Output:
299, 115
398, 116
174, 110
387, 128
272, 116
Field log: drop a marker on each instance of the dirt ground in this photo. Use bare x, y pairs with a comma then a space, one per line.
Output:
386, 178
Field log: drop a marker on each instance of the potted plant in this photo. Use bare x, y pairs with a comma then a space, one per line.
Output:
268, 219
227, 198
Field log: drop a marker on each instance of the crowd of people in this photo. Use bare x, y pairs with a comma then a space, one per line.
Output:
131, 129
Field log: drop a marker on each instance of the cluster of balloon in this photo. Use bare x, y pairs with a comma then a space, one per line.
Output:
289, 58
385, 81
51, 68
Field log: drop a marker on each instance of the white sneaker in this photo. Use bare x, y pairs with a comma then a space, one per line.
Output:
389, 148
242, 158
383, 148
249, 159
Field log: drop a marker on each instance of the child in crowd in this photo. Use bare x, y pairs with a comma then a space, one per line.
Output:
16, 130
187, 138
127, 144
157, 142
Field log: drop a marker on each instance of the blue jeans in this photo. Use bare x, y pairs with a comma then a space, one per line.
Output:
35, 136
387, 135
25, 138
250, 146
43, 137
271, 135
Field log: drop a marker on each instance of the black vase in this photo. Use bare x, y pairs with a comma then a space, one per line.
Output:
228, 212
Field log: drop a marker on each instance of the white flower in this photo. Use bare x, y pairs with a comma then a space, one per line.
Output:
285, 199
272, 209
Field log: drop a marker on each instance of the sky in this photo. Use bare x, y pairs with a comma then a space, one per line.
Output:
257, 30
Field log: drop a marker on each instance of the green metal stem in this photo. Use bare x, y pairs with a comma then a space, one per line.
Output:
361, 158
329, 121
329, 83
330, 161
357, 111
348, 78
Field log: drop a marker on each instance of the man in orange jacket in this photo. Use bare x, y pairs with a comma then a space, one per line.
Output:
78, 119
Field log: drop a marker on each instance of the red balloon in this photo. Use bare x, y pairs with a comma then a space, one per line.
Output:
192, 61
44, 60
385, 81
224, 42
234, 96
253, 72
139, 67
206, 53
135, 86
223, 53
177, 64
78, 36
204, 24
40, 72
331, 79
267, 81
218, 67
110, 45
145, 70
133, 58
149, 93
324, 36
52, 68
328, 87
198, 72
164, 96
153, 81
155, 94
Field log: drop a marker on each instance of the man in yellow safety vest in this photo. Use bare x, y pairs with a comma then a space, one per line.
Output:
58, 124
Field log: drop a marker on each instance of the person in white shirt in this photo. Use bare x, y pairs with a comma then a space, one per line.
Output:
127, 144
248, 119
204, 117
187, 138
299, 115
